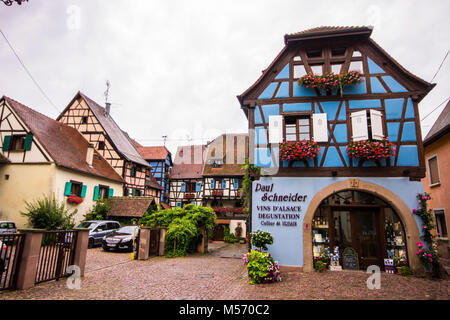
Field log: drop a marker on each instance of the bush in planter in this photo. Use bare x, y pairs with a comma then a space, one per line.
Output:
319, 266
261, 267
261, 239
405, 271
181, 237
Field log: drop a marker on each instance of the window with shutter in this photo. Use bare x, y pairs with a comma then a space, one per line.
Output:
28, 141
236, 184
433, 169
224, 184
212, 184
359, 125
67, 188
198, 187
275, 129
110, 192
376, 125
297, 128
83, 191
320, 127
183, 187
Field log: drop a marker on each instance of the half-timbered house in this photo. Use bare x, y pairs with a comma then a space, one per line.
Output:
160, 160
43, 157
95, 123
186, 178
222, 176
338, 198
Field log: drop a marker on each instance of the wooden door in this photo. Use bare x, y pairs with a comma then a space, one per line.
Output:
154, 242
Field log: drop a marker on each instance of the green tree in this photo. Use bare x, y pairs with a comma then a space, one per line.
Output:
99, 210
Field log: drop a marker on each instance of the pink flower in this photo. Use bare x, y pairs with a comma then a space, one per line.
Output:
417, 252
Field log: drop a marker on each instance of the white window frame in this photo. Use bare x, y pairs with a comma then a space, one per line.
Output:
429, 171
445, 218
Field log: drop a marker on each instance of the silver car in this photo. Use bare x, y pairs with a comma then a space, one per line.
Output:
99, 229
7, 227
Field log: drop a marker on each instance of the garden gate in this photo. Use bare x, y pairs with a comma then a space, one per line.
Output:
11, 246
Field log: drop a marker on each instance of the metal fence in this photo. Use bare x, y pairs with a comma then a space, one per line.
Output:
56, 254
11, 246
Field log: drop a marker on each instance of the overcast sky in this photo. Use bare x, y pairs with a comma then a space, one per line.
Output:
176, 67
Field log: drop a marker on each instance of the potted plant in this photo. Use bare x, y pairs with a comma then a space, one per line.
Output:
400, 262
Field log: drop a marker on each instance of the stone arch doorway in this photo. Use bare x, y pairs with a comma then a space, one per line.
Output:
408, 222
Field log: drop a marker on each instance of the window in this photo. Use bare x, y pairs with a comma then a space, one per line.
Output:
367, 125
84, 119
133, 171
218, 184
101, 145
337, 52
433, 169
441, 223
103, 192
190, 186
314, 53
297, 128
75, 189
17, 143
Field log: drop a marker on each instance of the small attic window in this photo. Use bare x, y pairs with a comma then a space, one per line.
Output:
337, 52
314, 53
84, 119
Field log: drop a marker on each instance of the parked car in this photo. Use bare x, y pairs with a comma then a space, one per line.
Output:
121, 239
3, 249
99, 229
7, 227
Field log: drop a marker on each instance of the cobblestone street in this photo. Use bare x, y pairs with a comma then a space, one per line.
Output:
219, 275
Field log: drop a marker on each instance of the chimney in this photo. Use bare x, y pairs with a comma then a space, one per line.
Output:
90, 154
107, 108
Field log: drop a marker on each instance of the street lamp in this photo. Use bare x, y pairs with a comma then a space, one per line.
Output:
10, 2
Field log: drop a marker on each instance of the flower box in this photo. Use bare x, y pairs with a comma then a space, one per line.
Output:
329, 81
74, 199
217, 192
189, 196
299, 150
371, 150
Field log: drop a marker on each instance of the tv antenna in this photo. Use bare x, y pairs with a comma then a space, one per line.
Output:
165, 139
108, 84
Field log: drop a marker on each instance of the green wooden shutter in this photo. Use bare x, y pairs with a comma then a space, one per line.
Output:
28, 141
96, 192
134, 192
127, 192
83, 191
68, 188
6, 143
111, 192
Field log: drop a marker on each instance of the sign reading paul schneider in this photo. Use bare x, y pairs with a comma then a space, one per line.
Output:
277, 209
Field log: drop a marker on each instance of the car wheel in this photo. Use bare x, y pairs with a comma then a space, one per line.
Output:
106, 248
90, 243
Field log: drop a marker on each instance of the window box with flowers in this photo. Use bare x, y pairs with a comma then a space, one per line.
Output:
329, 81
371, 150
299, 150
74, 199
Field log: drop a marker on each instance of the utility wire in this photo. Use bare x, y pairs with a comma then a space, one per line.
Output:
435, 109
440, 65
28, 72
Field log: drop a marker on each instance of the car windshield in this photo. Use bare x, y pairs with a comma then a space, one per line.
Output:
127, 230
87, 224
6, 225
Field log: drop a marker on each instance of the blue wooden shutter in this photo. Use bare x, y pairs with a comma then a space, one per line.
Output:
224, 184
212, 184
183, 187
198, 187
6, 143
236, 184
96, 192
28, 141
83, 191
68, 188
111, 192
179, 204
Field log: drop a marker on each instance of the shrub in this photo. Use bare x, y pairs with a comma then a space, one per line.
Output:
99, 210
183, 225
181, 237
261, 267
319, 266
49, 214
229, 237
261, 239
405, 270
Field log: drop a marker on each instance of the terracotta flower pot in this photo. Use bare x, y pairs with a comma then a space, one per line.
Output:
399, 270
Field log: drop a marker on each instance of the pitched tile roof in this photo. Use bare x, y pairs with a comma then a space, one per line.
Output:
66, 145
153, 152
233, 157
152, 182
329, 30
119, 138
440, 127
129, 206
188, 162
